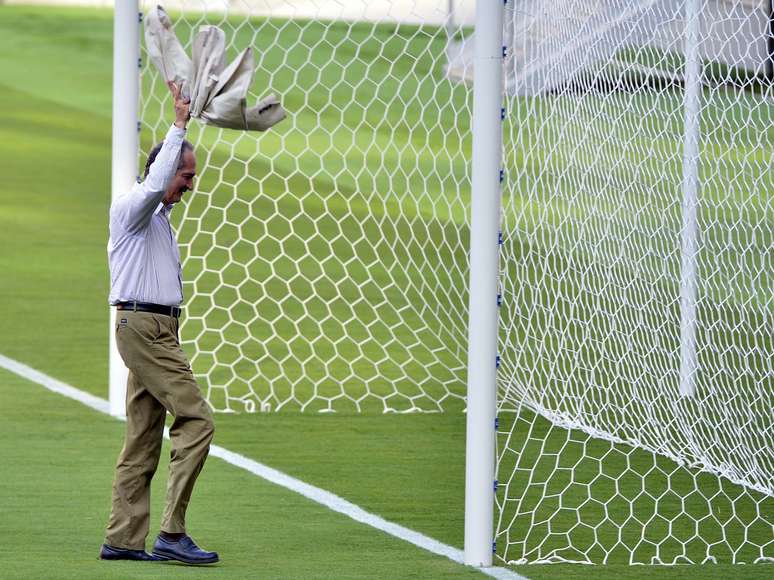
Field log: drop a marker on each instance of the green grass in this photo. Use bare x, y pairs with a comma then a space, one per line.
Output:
55, 149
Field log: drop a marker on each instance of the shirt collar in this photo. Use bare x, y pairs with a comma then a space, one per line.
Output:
166, 208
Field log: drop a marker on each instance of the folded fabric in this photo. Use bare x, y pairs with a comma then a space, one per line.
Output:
218, 92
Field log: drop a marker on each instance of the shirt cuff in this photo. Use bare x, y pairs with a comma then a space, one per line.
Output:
175, 131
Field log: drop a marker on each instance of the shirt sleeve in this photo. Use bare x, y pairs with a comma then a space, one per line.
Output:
135, 208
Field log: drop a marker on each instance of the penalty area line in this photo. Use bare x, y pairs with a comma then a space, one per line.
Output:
315, 494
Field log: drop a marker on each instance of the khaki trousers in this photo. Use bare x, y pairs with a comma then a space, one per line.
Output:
160, 380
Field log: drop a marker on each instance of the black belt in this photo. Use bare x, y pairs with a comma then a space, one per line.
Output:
149, 307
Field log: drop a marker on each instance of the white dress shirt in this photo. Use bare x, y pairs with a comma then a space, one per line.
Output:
142, 249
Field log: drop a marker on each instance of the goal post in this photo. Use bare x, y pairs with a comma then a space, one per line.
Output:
689, 232
484, 295
125, 154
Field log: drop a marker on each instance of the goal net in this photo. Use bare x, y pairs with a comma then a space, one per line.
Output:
601, 459
326, 261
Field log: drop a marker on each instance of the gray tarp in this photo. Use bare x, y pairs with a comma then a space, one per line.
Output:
218, 91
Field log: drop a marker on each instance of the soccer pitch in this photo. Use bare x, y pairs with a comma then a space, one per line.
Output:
55, 151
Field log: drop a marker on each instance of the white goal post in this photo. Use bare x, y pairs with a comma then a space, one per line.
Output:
125, 154
556, 217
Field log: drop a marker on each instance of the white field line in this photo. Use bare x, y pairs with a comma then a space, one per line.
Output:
326, 498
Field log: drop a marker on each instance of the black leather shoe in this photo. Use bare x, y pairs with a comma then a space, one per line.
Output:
184, 550
111, 553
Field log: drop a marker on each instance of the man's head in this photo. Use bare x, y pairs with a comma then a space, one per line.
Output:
183, 179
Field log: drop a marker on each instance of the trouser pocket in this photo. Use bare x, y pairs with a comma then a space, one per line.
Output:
136, 333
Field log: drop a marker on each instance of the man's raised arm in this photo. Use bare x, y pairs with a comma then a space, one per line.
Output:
136, 208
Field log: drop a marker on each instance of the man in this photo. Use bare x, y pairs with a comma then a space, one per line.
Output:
146, 289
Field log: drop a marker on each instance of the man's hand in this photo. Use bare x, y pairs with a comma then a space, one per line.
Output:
182, 106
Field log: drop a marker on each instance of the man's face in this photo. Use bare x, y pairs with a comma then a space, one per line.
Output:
183, 179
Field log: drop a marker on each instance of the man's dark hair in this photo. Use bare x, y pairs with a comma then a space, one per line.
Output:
155, 151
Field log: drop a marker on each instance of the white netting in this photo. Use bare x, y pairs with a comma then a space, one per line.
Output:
325, 260
600, 458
